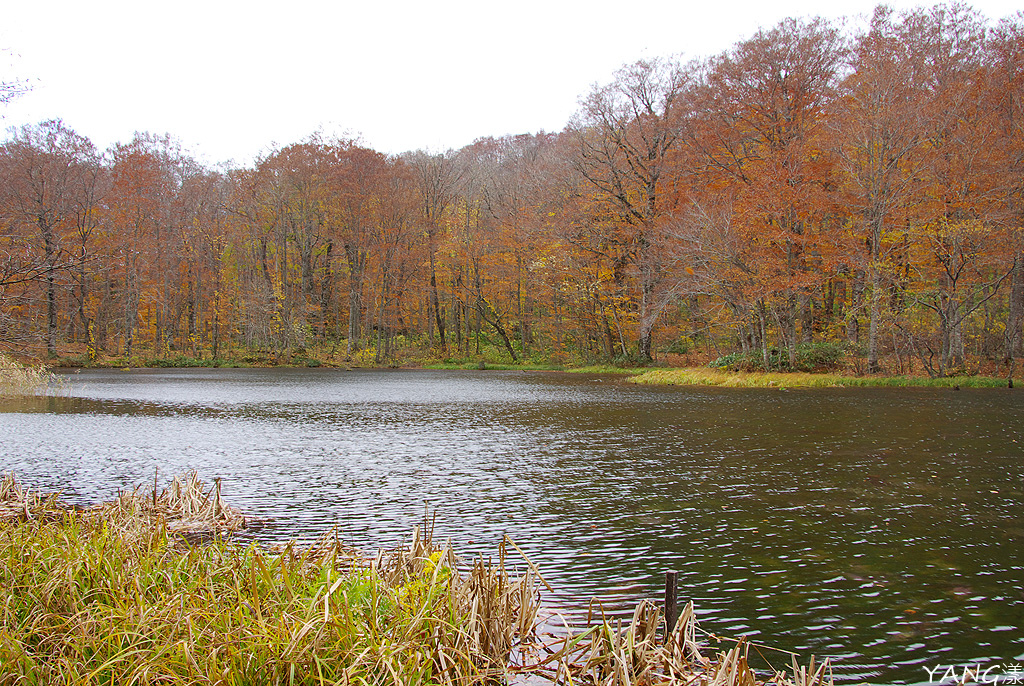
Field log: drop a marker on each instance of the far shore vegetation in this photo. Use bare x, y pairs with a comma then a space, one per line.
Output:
25, 379
812, 365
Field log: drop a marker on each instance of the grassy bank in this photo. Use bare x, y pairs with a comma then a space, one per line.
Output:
112, 594
85, 605
606, 369
702, 376
322, 358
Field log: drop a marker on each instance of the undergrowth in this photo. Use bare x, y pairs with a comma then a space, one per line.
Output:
807, 357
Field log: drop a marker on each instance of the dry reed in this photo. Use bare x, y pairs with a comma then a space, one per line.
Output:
19, 379
23, 504
186, 507
631, 654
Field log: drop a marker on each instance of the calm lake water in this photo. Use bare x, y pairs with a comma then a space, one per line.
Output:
883, 528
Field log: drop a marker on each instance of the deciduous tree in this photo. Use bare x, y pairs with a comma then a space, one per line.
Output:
47, 173
624, 134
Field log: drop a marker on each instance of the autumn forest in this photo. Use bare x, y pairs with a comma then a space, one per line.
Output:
814, 188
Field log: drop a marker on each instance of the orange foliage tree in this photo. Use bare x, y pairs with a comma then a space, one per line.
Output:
762, 139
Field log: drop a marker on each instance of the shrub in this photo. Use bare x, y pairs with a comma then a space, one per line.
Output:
820, 356
632, 359
810, 357
681, 346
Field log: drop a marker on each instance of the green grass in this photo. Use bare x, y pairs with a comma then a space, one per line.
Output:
700, 376
605, 369
540, 367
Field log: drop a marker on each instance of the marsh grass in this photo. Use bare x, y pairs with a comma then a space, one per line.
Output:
18, 503
115, 595
18, 379
186, 506
698, 376
614, 653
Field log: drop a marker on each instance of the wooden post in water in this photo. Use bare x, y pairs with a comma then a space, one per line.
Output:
671, 607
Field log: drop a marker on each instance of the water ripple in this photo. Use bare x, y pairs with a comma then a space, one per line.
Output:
871, 525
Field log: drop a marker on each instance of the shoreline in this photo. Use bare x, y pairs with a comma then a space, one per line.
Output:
658, 376
658, 373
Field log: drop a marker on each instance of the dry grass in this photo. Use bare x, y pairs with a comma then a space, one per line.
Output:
23, 504
186, 507
633, 654
116, 594
18, 379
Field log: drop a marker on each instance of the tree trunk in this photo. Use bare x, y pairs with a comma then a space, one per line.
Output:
1015, 311
83, 318
951, 330
489, 315
49, 246
51, 315
789, 327
355, 305
807, 318
876, 313
856, 298
356, 263
644, 344
648, 310
327, 292
436, 302
131, 310
762, 333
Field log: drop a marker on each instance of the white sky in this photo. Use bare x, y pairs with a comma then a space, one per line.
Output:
234, 79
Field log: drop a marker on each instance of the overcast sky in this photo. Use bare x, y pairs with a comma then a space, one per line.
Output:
233, 80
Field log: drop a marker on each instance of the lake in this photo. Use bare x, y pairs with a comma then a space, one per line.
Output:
881, 527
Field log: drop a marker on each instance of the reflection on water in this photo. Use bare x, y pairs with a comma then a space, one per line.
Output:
881, 527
